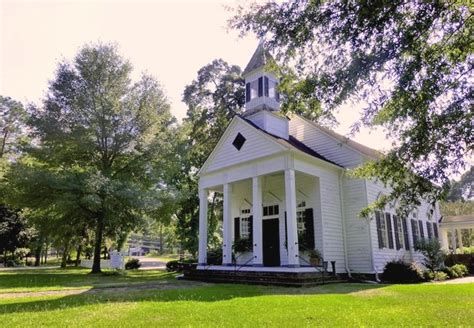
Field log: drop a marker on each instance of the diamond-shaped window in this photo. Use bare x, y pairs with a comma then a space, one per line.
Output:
239, 141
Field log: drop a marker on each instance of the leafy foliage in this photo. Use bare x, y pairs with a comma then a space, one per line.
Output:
133, 264
100, 150
242, 245
14, 232
456, 271
410, 62
433, 254
462, 190
401, 272
213, 98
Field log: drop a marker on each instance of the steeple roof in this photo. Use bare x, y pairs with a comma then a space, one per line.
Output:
259, 59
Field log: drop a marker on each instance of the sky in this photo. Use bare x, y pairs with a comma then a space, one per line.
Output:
170, 40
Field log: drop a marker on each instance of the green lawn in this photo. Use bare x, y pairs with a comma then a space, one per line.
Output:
71, 278
232, 305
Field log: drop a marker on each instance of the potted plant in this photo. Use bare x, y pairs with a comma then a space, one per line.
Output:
242, 245
315, 257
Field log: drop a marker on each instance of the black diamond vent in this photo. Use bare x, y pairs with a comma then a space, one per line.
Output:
239, 141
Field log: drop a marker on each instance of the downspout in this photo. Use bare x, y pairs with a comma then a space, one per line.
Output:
343, 216
370, 238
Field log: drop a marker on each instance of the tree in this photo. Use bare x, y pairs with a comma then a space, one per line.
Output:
213, 98
411, 62
100, 144
13, 231
12, 123
462, 190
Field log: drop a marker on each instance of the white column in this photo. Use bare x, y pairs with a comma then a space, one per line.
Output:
257, 210
460, 238
227, 226
202, 257
443, 234
291, 225
453, 239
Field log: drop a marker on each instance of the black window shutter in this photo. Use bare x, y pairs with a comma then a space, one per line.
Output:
397, 235
265, 86
413, 230
422, 233
379, 231
435, 230
250, 221
286, 231
405, 234
236, 228
309, 227
247, 92
260, 86
389, 230
429, 230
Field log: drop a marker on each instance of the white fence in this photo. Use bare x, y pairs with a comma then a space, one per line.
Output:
116, 262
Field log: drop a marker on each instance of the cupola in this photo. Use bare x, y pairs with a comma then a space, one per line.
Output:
262, 101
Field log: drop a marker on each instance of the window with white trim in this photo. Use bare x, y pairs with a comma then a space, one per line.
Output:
244, 223
300, 221
400, 233
271, 210
381, 229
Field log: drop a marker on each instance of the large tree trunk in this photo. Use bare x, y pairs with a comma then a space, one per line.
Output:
5, 258
65, 254
78, 254
98, 244
38, 250
161, 238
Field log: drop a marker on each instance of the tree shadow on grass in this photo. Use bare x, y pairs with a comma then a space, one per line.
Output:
174, 292
72, 278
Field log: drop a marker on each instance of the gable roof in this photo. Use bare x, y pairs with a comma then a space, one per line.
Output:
259, 59
364, 150
292, 143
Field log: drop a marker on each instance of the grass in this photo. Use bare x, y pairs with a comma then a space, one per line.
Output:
235, 305
72, 278
163, 257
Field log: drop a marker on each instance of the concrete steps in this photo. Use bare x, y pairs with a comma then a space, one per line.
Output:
289, 279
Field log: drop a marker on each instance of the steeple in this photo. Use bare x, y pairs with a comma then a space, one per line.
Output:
260, 84
262, 102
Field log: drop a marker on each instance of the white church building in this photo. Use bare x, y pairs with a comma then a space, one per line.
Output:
286, 190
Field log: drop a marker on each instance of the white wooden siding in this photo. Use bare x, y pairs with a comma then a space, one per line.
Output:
382, 256
324, 144
256, 146
357, 229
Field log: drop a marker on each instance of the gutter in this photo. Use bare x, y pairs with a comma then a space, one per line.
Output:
370, 238
343, 216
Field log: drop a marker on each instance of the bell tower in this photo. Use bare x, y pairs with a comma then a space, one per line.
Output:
260, 85
262, 101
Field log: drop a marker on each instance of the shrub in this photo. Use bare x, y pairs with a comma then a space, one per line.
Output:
401, 272
460, 269
466, 259
439, 276
179, 266
242, 245
132, 264
431, 249
428, 275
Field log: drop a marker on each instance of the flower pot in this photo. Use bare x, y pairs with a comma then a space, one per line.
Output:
315, 261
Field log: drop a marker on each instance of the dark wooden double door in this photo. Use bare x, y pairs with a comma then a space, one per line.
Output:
271, 242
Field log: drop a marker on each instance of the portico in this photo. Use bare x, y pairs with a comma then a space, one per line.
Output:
248, 199
451, 228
